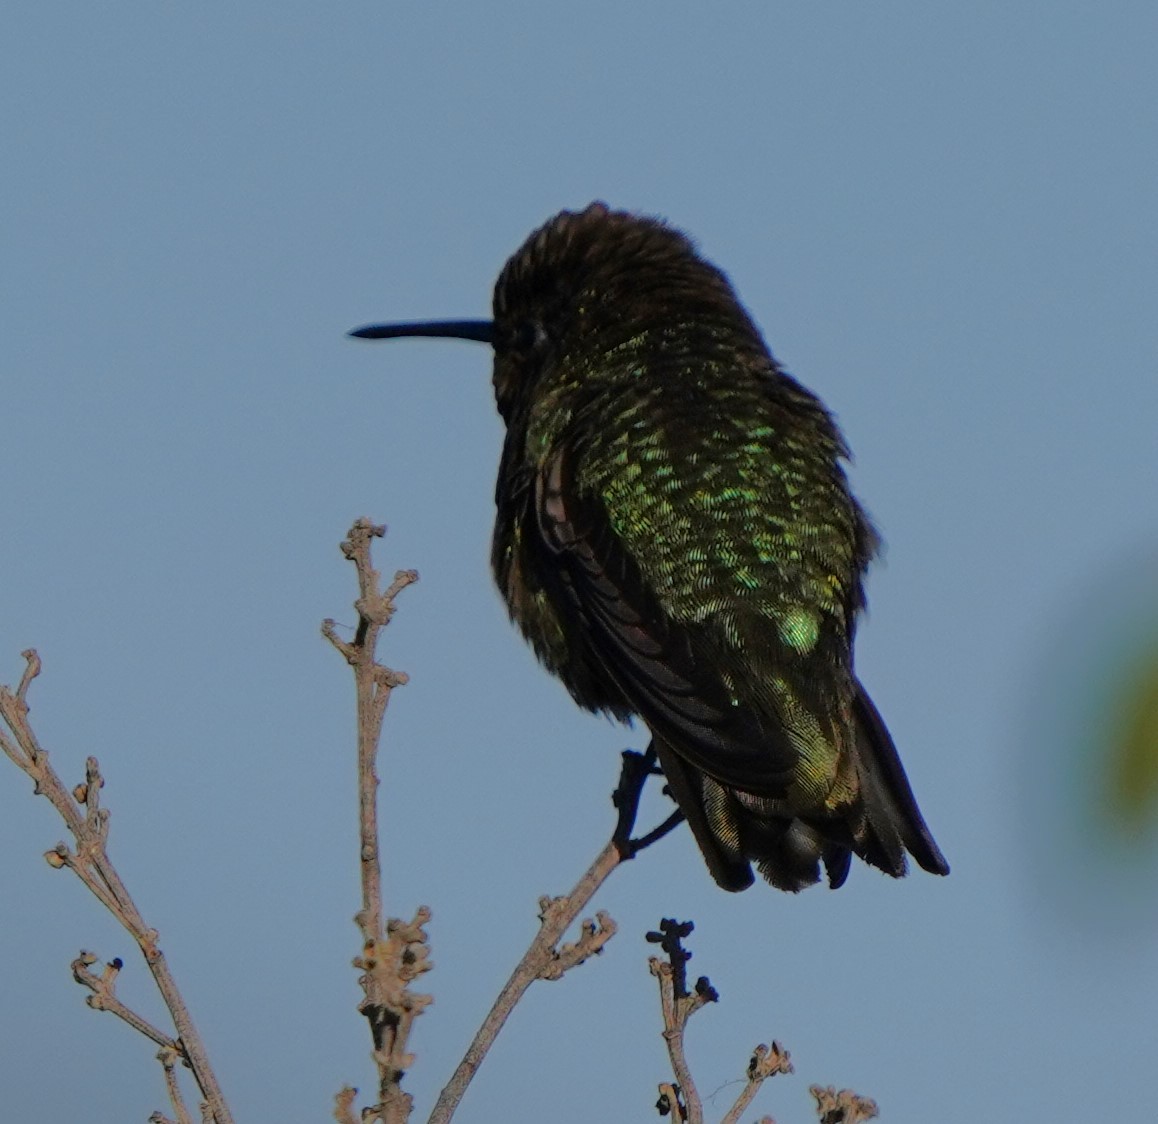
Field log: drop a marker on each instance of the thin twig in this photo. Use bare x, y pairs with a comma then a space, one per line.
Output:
344, 1105
678, 1005
555, 918
680, 1099
766, 1061
373, 684
88, 823
593, 936
389, 967
168, 1057
543, 959
104, 998
397, 952
844, 1107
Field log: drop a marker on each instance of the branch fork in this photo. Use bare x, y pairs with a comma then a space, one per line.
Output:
680, 1099
88, 859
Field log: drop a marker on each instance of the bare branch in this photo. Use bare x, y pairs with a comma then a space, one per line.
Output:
681, 1100
389, 966
678, 1005
344, 1105
31, 671
394, 954
373, 683
844, 1107
104, 998
593, 936
88, 823
543, 959
555, 918
169, 1056
766, 1061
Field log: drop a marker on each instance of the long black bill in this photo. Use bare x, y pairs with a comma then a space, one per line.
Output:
481, 330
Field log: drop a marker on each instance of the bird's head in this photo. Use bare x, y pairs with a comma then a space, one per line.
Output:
583, 285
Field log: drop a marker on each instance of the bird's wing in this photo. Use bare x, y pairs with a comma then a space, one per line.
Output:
656, 661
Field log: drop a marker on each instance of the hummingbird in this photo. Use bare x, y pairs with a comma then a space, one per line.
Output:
677, 540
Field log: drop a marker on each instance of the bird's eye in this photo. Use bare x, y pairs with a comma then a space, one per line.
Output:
529, 336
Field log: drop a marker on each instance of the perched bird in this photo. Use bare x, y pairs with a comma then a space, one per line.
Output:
677, 541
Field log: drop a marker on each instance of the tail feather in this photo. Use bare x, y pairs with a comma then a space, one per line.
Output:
735, 828
893, 821
705, 806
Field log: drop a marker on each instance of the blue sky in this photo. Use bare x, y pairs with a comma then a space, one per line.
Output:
944, 218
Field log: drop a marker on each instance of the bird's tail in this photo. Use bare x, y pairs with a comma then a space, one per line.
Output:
735, 828
887, 822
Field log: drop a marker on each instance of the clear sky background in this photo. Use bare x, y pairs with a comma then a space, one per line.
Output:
943, 216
